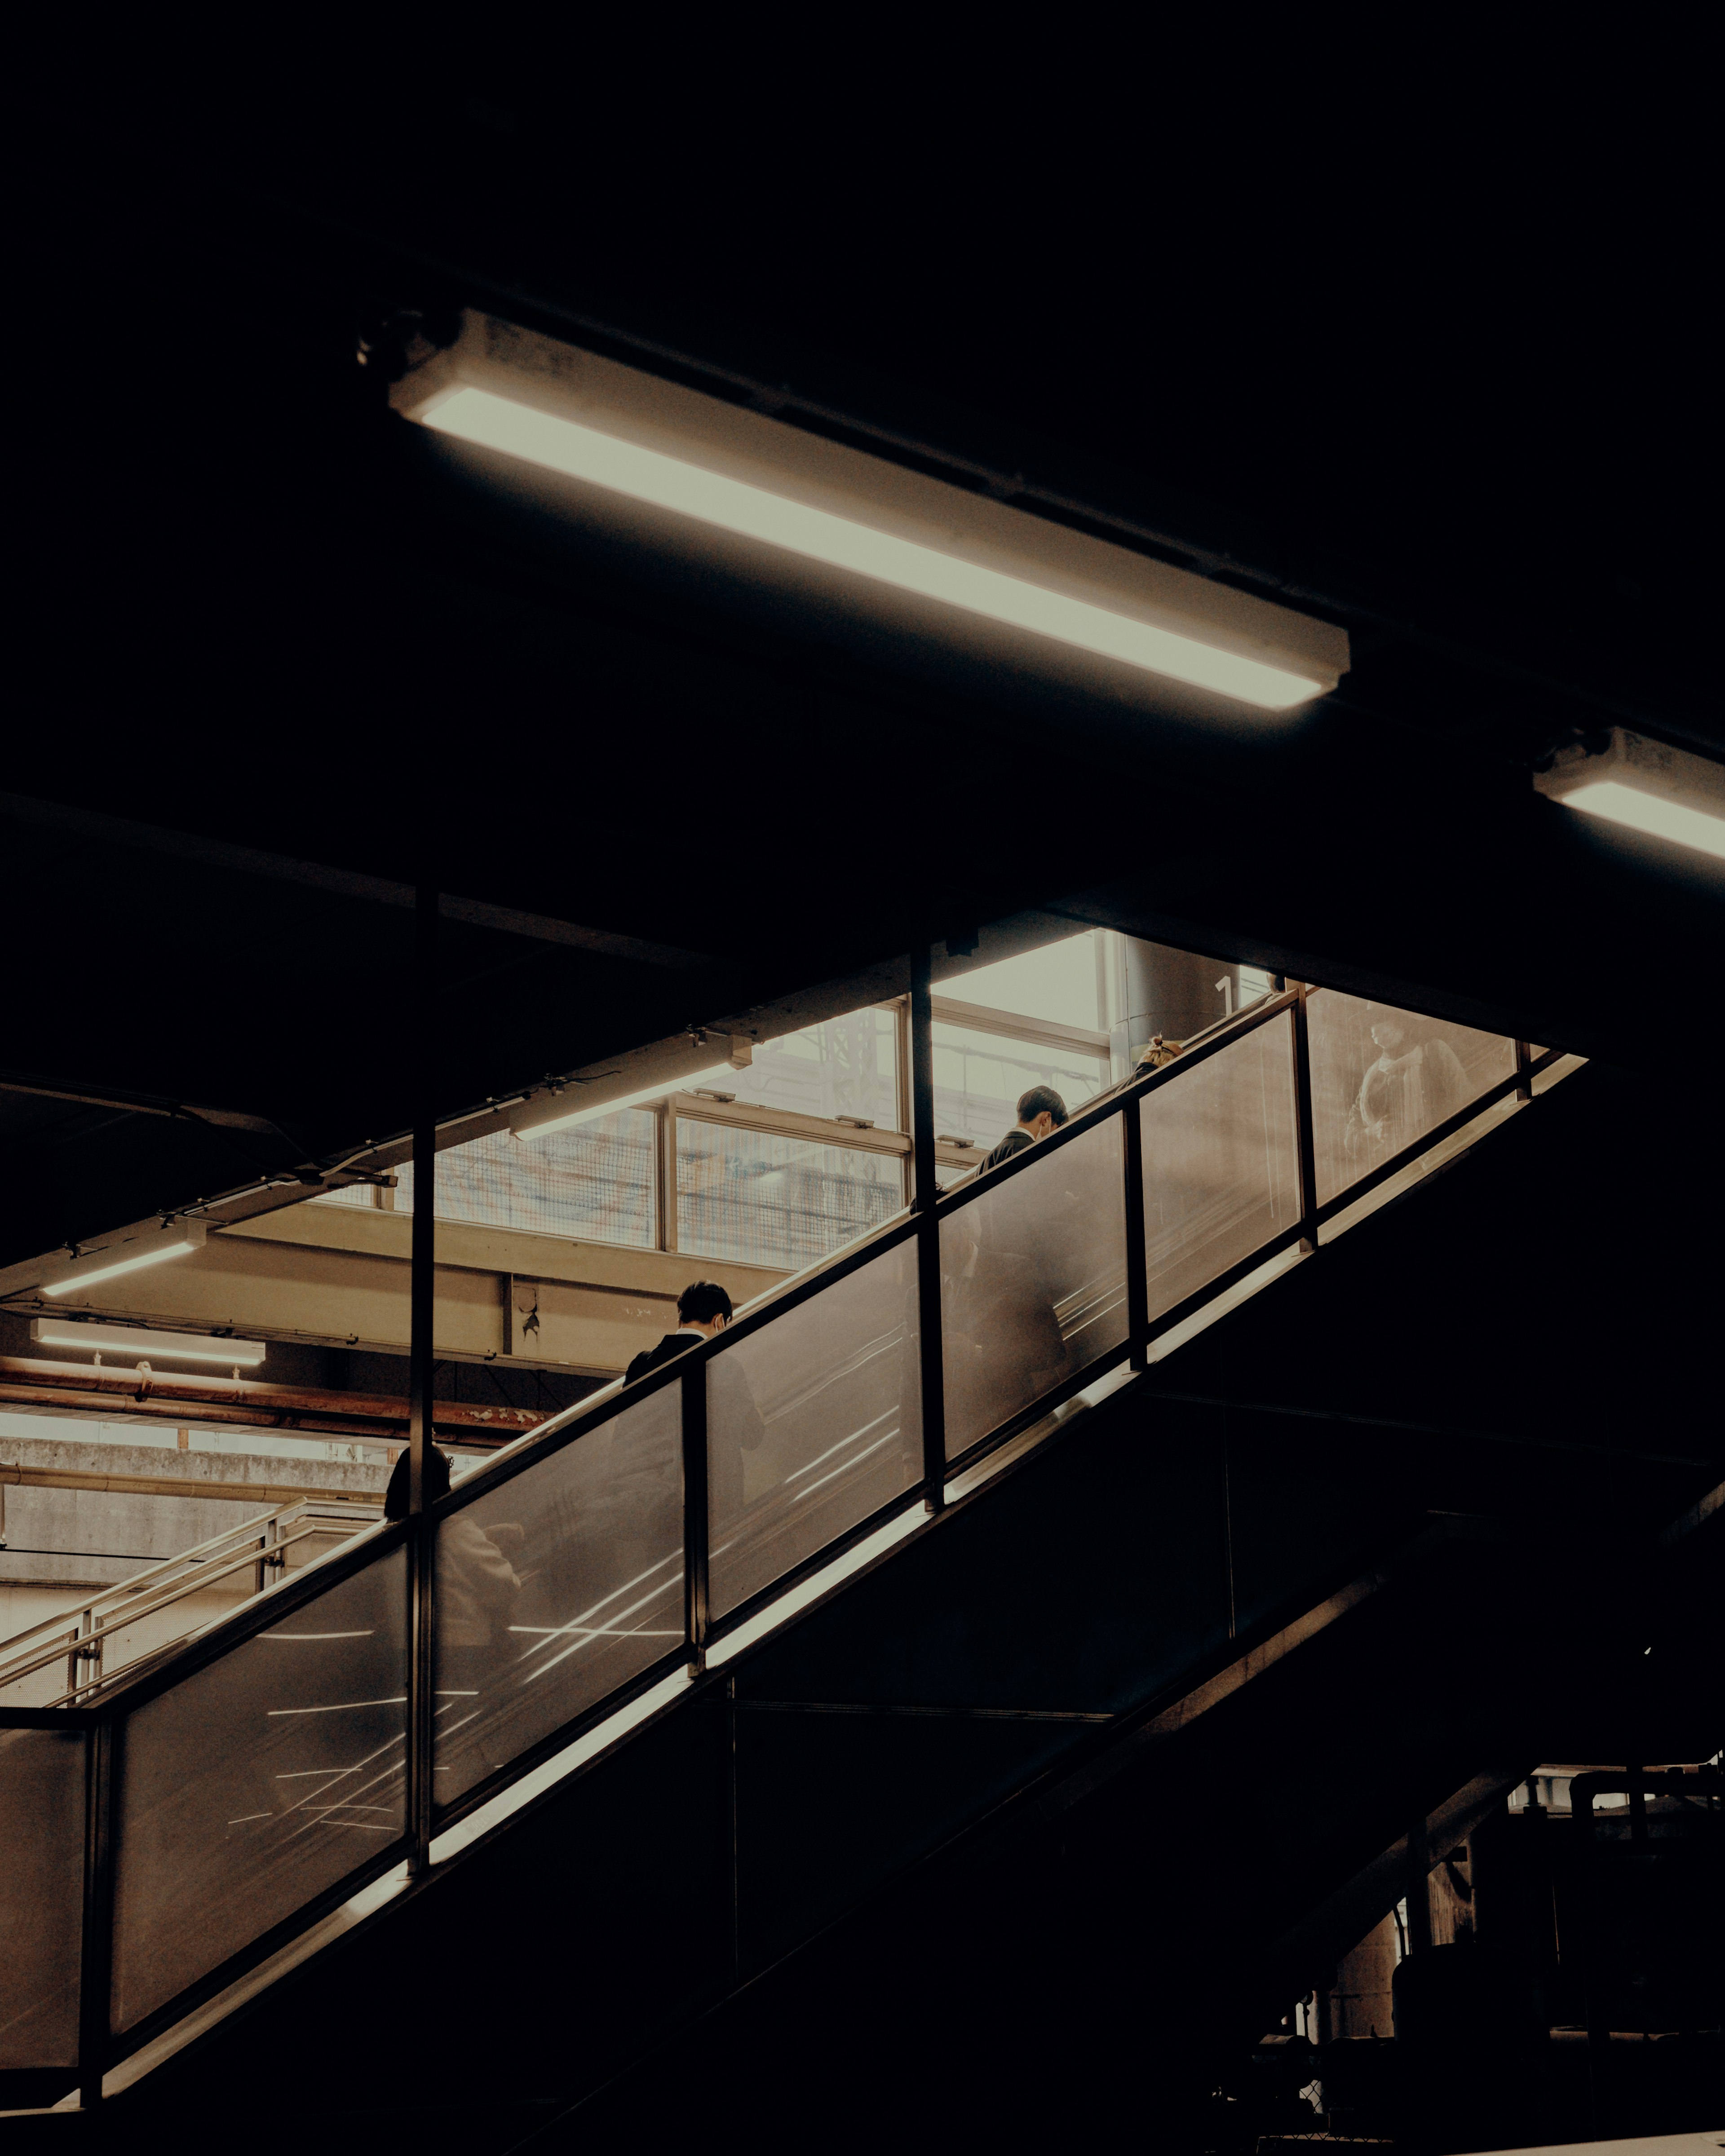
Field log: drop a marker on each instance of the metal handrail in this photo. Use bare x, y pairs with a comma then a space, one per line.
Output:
167, 1666
598, 1408
269, 1557
135, 1582
579, 1421
78, 1642
1123, 1097
83, 1640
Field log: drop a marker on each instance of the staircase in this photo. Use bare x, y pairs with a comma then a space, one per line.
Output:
727, 1691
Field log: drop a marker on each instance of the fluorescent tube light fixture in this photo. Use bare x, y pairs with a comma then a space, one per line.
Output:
739, 472
154, 1256
142, 1340
1647, 785
842, 543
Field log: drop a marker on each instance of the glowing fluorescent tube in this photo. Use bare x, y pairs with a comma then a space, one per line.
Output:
539, 436
139, 1340
1646, 786
1619, 804
162, 1250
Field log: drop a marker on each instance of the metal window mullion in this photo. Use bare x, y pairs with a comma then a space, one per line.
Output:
97, 1957
665, 1181
924, 1194
1303, 1123
696, 1537
1137, 1284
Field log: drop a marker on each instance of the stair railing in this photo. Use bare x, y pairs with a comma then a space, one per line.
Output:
902, 1361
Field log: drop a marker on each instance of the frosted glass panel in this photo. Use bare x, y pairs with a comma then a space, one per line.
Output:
41, 1896
775, 1201
1221, 1168
813, 1423
257, 1783
1033, 1282
1382, 1077
556, 1588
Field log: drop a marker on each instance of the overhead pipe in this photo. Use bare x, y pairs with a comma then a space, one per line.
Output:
25, 1381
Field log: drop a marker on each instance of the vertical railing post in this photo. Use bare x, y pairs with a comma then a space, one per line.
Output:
1524, 1071
923, 1195
1137, 1285
422, 1286
696, 1543
1303, 1124
96, 1960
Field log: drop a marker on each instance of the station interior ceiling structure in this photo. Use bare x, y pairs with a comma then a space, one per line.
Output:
342, 659
293, 663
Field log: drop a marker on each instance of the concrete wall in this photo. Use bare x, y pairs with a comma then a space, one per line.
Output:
89, 1536
63, 1536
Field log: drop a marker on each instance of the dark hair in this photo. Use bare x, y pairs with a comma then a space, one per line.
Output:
1041, 1101
702, 1301
437, 1482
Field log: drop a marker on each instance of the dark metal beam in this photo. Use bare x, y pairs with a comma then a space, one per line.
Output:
340, 883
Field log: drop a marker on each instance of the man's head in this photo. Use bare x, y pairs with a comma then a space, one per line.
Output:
435, 1484
704, 1303
1040, 1111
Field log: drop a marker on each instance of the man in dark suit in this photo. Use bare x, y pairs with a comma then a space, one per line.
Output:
1005, 1345
703, 1311
734, 1424
1040, 1111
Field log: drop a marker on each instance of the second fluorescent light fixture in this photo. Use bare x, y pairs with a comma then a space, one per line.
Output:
138, 1340
190, 1238
739, 472
1647, 785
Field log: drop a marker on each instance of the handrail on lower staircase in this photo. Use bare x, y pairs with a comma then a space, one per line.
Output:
80, 1632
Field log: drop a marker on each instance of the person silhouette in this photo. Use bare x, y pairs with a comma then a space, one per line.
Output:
1415, 1082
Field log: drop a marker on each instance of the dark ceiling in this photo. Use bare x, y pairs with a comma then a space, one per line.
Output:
1440, 384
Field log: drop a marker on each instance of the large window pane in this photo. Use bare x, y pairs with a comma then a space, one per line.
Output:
776, 1201
556, 1588
1033, 1282
813, 1423
1382, 1077
257, 1783
594, 1181
1061, 982
978, 1078
41, 1896
843, 1067
1221, 1170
